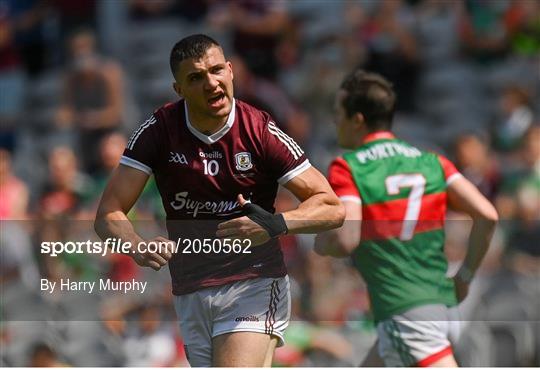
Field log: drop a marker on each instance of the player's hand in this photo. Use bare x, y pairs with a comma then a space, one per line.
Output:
243, 228
155, 260
462, 288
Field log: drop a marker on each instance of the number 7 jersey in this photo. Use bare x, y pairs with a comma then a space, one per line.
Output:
402, 193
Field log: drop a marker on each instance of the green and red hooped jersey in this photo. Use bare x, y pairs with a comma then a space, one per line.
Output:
402, 192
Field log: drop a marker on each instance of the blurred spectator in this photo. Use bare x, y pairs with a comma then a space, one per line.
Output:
12, 77
475, 162
525, 18
111, 148
16, 248
42, 355
522, 175
74, 14
144, 9
192, 11
152, 344
93, 98
531, 150
392, 48
515, 117
305, 340
28, 20
13, 191
329, 281
527, 235
59, 205
485, 29
257, 28
16, 255
268, 96
66, 186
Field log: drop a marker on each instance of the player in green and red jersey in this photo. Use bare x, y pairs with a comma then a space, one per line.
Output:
396, 198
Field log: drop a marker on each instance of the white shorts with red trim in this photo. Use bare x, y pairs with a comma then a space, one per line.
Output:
418, 337
261, 305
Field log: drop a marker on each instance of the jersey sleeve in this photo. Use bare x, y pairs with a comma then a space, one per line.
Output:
450, 171
284, 157
141, 149
342, 182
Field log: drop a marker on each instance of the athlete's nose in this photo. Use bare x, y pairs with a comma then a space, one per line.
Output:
211, 83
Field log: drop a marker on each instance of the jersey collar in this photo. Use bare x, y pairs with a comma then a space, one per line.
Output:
378, 135
211, 139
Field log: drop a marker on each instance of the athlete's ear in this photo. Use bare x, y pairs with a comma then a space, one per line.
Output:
358, 119
176, 87
229, 64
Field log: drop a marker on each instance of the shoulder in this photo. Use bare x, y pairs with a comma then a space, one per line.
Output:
166, 117
449, 169
340, 163
339, 168
437, 157
341, 180
172, 111
254, 123
253, 114
157, 124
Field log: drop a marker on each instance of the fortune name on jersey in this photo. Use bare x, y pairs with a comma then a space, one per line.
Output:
386, 150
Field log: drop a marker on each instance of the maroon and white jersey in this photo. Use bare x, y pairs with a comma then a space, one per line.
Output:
199, 178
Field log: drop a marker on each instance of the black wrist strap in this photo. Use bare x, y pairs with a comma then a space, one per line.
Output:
274, 224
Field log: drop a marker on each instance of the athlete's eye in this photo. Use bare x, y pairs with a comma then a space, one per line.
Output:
194, 77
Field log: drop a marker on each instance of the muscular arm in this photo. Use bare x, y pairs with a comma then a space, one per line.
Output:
121, 193
320, 209
464, 197
341, 242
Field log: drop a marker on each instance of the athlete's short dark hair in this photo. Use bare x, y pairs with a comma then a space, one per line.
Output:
193, 46
372, 95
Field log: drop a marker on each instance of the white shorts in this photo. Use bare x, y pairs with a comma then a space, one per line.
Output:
419, 336
261, 305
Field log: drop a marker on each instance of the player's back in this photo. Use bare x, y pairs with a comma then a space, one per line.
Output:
403, 195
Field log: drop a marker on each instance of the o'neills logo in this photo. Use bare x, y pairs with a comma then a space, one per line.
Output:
247, 318
195, 207
214, 155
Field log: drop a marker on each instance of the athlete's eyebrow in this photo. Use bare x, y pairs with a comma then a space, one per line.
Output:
199, 73
217, 67
194, 74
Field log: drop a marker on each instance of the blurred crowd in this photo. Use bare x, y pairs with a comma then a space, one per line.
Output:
76, 77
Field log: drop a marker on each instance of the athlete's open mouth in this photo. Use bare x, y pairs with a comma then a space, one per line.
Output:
216, 98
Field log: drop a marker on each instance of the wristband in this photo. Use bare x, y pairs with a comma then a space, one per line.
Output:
273, 224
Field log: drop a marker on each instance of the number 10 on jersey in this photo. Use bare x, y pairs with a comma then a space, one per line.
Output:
211, 167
